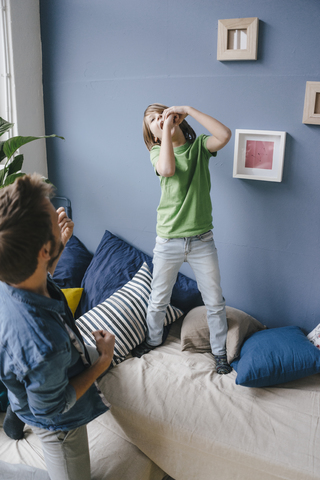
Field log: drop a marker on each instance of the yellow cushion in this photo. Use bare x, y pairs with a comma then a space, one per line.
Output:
73, 296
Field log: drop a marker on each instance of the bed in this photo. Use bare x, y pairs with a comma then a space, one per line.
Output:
172, 415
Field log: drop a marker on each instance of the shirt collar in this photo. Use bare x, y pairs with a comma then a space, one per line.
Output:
36, 300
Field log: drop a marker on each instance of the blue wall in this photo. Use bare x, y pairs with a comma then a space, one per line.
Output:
105, 60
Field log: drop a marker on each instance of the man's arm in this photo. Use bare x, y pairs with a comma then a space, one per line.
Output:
50, 392
66, 227
220, 134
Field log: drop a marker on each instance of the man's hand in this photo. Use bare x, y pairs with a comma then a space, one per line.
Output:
104, 341
105, 345
66, 225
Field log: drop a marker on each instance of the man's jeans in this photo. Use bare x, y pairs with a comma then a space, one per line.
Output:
67, 453
200, 252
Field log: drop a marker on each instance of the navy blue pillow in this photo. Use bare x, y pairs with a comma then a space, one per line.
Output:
114, 263
72, 264
274, 356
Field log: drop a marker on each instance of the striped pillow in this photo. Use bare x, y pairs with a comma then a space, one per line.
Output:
124, 315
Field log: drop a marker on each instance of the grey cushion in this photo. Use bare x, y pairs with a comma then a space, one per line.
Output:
195, 335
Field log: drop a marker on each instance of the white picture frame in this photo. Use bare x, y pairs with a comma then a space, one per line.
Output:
259, 155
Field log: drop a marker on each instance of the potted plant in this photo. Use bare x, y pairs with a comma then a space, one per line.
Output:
13, 164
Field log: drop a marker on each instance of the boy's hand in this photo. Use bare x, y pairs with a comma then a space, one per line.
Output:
178, 113
170, 120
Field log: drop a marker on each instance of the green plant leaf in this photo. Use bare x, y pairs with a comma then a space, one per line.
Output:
2, 154
2, 172
16, 164
4, 126
12, 144
11, 178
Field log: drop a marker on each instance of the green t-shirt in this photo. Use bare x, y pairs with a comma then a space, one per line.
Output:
185, 207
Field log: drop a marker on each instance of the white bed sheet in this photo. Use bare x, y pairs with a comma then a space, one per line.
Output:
112, 456
194, 424
197, 425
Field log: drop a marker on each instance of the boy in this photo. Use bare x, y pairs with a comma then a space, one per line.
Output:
184, 220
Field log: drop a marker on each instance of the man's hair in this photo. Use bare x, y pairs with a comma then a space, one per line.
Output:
149, 140
25, 226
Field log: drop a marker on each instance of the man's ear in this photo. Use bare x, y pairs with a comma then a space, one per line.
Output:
44, 253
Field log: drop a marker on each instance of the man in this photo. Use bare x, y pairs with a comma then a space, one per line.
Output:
48, 371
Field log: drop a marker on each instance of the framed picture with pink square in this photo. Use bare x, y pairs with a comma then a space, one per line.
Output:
259, 155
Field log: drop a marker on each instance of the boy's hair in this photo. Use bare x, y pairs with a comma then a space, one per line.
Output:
25, 226
148, 137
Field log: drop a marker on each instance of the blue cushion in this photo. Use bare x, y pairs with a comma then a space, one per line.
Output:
114, 263
274, 356
72, 264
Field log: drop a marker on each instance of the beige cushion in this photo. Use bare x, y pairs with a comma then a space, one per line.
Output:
195, 335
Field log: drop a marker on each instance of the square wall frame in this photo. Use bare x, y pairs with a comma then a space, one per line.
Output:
259, 155
311, 111
238, 39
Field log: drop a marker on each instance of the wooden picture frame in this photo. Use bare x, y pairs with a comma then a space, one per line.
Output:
259, 155
238, 39
311, 111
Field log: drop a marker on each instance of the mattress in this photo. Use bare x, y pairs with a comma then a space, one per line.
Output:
197, 425
172, 413
113, 457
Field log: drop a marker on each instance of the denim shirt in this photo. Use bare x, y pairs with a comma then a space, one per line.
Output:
37, 358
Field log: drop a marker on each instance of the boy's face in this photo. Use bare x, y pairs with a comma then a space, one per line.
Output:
155, 122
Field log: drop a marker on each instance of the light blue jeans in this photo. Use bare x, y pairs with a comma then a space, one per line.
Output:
200, 252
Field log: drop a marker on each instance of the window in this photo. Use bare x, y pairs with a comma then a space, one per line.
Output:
21, 99
7, 89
